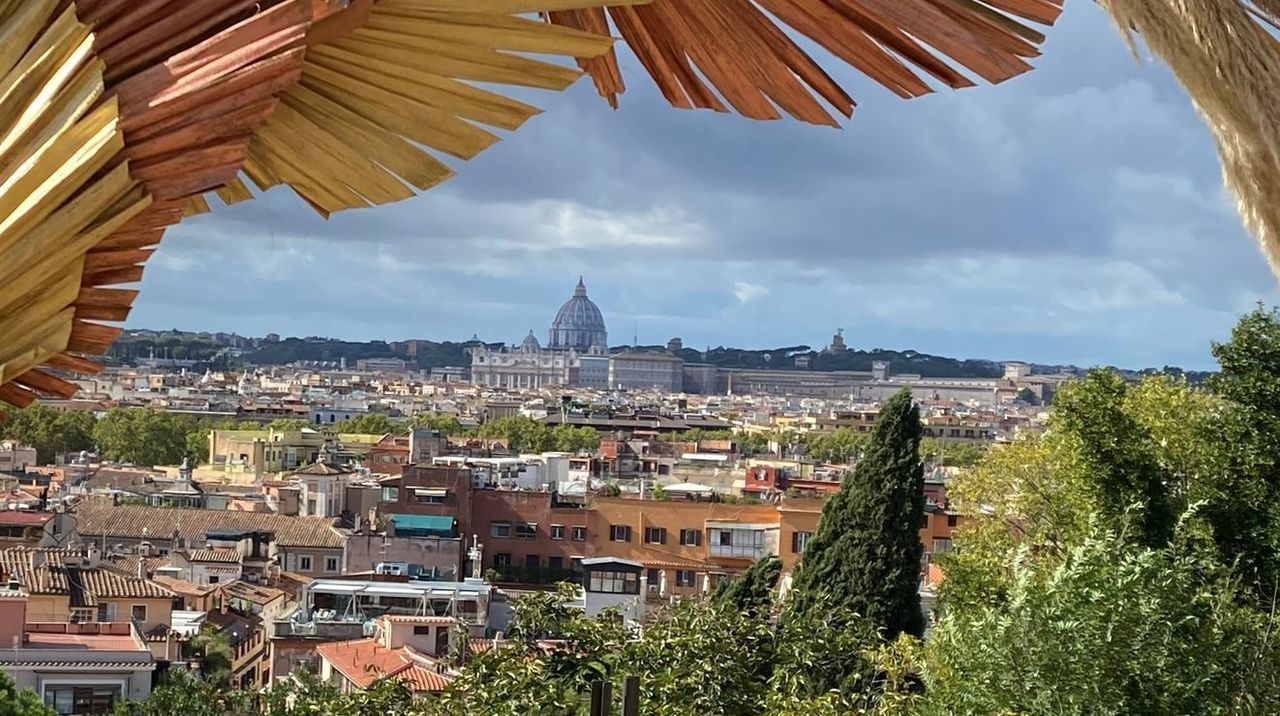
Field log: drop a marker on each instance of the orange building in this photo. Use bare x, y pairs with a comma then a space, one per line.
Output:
685, 547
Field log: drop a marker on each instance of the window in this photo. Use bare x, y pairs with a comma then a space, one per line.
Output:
500, 530
798, 541
420, 630
685, 577
81, 699
655, 535
304, 563
532, 561
579, 534
953, 520
138, 612
620, 533
81, 615
941, 546
557, 531
527, 530
610, 582
501, 560
103, 616
654, 578
213, 579
555, 563
743, 543
330, 564
691, 538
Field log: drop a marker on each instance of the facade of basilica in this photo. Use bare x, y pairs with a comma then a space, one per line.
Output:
576, 352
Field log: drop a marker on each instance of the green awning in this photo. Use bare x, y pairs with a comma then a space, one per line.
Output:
423, 525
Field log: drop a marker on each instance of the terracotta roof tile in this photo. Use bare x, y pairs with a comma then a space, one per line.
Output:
100, 517
366, 661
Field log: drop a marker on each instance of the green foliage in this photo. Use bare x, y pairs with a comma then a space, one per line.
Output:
1028, 396
866, 552
951, 454
367, 424
1119, 458
751, 591
185, 692
529, 435
288, 424
213, 648
49, 431
841, 446
141, 436
448, 424
1109, 628
20, 703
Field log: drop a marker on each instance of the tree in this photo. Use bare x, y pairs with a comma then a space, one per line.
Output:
20, 703
567, 438
1119, 456
1028, 396
448, 424
50, 432
288, 424
368, 424
752, 591
1108, 628
213, 648
866, 552
141, 436
841, 446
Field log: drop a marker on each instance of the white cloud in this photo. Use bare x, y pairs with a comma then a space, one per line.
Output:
746, 291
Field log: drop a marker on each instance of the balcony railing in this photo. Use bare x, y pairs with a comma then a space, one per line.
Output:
739, 551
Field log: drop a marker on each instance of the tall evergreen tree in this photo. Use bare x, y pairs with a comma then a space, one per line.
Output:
752, 591
865, 555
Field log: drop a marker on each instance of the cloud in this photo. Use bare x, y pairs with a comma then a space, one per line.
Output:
746, 292
1072, 214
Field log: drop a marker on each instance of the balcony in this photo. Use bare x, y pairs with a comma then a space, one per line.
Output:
741, 541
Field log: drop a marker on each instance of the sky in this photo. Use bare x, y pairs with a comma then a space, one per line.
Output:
1074, 214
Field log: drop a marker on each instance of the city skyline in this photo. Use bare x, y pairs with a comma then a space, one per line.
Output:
1073, 215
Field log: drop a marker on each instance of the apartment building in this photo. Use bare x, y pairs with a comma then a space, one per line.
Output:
15, 457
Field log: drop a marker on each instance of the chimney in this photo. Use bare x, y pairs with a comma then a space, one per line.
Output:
142, 568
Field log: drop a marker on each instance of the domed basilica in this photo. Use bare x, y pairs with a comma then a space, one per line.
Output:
576, 353
579, 325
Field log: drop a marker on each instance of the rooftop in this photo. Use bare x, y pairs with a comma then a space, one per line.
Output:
365, 661
128, 522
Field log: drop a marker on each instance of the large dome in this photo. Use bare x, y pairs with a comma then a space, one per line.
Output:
579, 324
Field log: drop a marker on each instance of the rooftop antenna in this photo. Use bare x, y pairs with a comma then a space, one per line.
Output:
635, 336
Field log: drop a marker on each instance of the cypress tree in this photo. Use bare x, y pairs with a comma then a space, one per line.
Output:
865, 556
752, 591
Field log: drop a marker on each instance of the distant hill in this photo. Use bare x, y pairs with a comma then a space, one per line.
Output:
435, 354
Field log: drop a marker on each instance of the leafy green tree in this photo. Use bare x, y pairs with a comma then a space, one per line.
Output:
567, 438
141, 436
213, 648
20, 703
841, 446
866, 552
288, 424
1119, 457
448, 424
752, 591
50, 432
951, 454
1246, 532
1028, 396
368, 424
1108, 628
